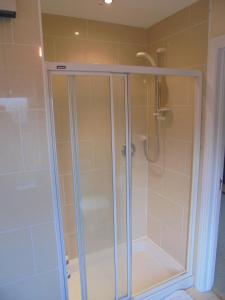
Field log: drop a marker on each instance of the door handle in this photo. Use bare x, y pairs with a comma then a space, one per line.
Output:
124, 150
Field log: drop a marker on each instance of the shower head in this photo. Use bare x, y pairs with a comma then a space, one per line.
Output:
147, 56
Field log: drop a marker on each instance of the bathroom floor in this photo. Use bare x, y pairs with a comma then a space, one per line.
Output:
151, 266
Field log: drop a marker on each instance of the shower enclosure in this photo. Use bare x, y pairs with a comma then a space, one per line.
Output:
125, 222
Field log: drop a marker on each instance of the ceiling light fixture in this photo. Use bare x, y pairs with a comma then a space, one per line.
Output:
108, 1
77, 33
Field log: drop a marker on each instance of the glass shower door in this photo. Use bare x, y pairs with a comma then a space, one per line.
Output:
96, 126
90, 105
98, 109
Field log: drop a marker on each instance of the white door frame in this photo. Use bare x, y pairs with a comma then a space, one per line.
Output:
212, 166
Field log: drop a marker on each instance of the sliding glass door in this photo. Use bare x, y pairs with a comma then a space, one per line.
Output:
122, 141
90, 112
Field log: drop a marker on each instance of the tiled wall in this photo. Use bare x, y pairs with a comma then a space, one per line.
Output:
98, 42
28, 257
217, 27
185, 37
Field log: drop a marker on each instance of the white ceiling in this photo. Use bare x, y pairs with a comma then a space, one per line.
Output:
139, 13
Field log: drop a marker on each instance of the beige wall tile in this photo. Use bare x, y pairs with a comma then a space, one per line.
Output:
71, 245
175, 244
140, 175
139, 120
42, 286
26, 199
21, 82
4, 81
100, 52
217, 18
64, 156
34, 140
139, 212
138, 228
15, 256
86, 151
69, 219
97, 182
180, 126
97, 214
115, 33
60, 92
105, 237
180, 54
26, 27
62, 190
49, 49
68, 189
139, 90
103, 154
177, 188
45, 249
156, 182
139, 156
62, 123
65, 27
175, 23
175, 155
154, 229
166, 210
70, 50
11, 157
6, 35
199, 12
126, 54
139, 202
177, 91
189, 158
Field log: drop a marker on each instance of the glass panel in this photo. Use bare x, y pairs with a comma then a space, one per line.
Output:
92, 105
92, 110
64, 156
162, 132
